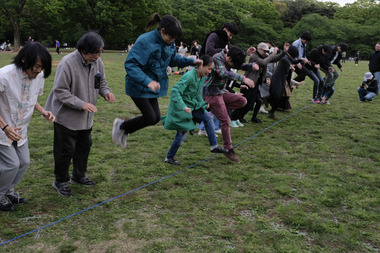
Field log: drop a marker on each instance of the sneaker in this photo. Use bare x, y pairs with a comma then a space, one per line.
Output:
6, 205
231, 155
262, 110
239, 124
322, 101
62, 188
256, 120
117, 133
233, 123
219, 131
243, 121
14, 197
124, 141
202, 133
327, 102
271, 115
317, 100
219, 149
171, 160
84, 180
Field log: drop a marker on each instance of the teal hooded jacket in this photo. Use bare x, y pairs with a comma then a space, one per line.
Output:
147, 61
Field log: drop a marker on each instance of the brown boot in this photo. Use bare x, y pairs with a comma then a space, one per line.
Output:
231, 155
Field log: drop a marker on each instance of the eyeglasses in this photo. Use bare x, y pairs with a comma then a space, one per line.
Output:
98, 53
37, 66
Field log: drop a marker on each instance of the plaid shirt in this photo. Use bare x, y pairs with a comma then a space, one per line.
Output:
215, 82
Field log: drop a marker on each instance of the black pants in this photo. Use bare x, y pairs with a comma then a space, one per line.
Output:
69, 144
150, 115
253, 100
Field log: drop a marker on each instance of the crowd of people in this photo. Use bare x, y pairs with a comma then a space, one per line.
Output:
205, 93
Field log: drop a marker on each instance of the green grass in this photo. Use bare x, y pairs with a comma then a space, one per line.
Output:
308, 184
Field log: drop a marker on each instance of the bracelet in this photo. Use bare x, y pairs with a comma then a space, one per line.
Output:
4, 127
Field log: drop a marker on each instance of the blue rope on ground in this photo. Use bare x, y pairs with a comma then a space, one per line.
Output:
139, 188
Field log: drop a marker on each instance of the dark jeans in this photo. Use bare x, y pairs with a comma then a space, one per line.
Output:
198, 116
302, 73
69, 144
150, 115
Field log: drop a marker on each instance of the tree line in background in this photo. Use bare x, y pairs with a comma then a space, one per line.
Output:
120, 22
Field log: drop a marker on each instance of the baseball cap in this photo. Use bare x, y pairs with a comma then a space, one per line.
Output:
368, 76
263, 46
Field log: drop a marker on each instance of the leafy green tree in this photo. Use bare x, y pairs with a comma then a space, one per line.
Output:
297, 9
361, 12
13, 10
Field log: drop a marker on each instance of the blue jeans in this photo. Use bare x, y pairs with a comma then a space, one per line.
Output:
201, 125
198, 116
318, 83
302, 73
365, 95
377, 76
328, 92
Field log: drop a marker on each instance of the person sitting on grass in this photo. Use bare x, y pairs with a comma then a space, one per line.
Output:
369, 88
186, 107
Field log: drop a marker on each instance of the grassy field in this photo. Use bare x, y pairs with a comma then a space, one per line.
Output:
309, 183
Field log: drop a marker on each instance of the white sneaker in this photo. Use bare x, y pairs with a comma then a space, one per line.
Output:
239, 123
117, 133
124, 141
234, 123
202, 133
219, 131
262, 110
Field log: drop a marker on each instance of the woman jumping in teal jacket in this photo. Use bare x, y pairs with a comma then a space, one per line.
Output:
146, 78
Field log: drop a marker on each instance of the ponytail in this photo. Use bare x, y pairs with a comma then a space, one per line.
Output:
153, 20
171, 25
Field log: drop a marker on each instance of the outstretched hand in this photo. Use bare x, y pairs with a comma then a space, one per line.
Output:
198, 62
286, 46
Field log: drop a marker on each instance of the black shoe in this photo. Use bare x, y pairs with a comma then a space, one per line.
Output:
256, 120
14, 197
243, 121
62, 188
84, 180
271, 114
6, 205
219, 149
171, 160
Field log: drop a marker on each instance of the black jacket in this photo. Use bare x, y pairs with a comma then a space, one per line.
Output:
315, 56
374, 62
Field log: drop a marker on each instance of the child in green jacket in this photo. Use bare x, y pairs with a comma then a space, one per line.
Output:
187, 107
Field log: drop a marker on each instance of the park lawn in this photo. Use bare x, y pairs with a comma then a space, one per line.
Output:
307, 182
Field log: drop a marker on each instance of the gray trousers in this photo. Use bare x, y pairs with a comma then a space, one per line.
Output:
13, 164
